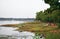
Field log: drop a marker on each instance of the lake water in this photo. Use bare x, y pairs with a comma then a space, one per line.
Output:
14, 22
10, 33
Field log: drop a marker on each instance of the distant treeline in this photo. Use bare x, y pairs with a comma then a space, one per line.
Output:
17, 19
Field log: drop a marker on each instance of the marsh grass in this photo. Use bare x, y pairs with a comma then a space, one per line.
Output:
50, 32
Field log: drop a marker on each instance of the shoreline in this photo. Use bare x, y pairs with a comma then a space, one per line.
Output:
32, 26
9, 25
38, 28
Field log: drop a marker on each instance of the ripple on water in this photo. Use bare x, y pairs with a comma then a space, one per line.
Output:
11, 31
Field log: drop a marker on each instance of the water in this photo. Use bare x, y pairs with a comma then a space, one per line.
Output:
14, 22
10, 33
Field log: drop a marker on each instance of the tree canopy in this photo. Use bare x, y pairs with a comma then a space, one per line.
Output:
52, 14
55, 4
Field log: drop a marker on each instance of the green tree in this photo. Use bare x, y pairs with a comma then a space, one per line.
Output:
39, 15
52, 14
56, 17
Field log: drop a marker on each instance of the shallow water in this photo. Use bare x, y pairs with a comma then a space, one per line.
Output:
12, 22
10, 33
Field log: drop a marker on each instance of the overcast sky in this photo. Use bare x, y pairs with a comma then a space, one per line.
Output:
21, 8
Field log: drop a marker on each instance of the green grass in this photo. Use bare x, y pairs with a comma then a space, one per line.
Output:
53, 36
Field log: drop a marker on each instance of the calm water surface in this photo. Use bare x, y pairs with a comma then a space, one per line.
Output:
10, 33
13, 22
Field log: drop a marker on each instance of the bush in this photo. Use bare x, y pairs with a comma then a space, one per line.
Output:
53, 36
58, 25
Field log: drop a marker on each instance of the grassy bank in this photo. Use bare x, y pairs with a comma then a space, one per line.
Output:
35, 27
50, 32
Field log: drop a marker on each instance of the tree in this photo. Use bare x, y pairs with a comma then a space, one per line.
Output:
56, 17
52, 14
39, 15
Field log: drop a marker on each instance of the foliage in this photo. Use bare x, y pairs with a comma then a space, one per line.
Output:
53, 36
38, 14
52, 14
41, 16
56, 16
58, 25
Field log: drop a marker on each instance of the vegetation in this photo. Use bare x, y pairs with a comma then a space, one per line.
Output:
37, 27
52, 14
50, 32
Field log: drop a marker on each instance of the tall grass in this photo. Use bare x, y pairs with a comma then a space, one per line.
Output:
53, 36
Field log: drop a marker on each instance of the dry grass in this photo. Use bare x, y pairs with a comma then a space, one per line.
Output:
51, 32
36, 27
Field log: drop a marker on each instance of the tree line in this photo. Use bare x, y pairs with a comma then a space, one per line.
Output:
52, 14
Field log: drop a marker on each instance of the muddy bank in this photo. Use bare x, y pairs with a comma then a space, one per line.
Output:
10, 25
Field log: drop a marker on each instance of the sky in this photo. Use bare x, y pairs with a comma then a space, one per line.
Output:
21, 8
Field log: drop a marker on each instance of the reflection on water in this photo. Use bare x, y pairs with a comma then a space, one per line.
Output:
14, 22
11, 22
10, 33
7, 30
